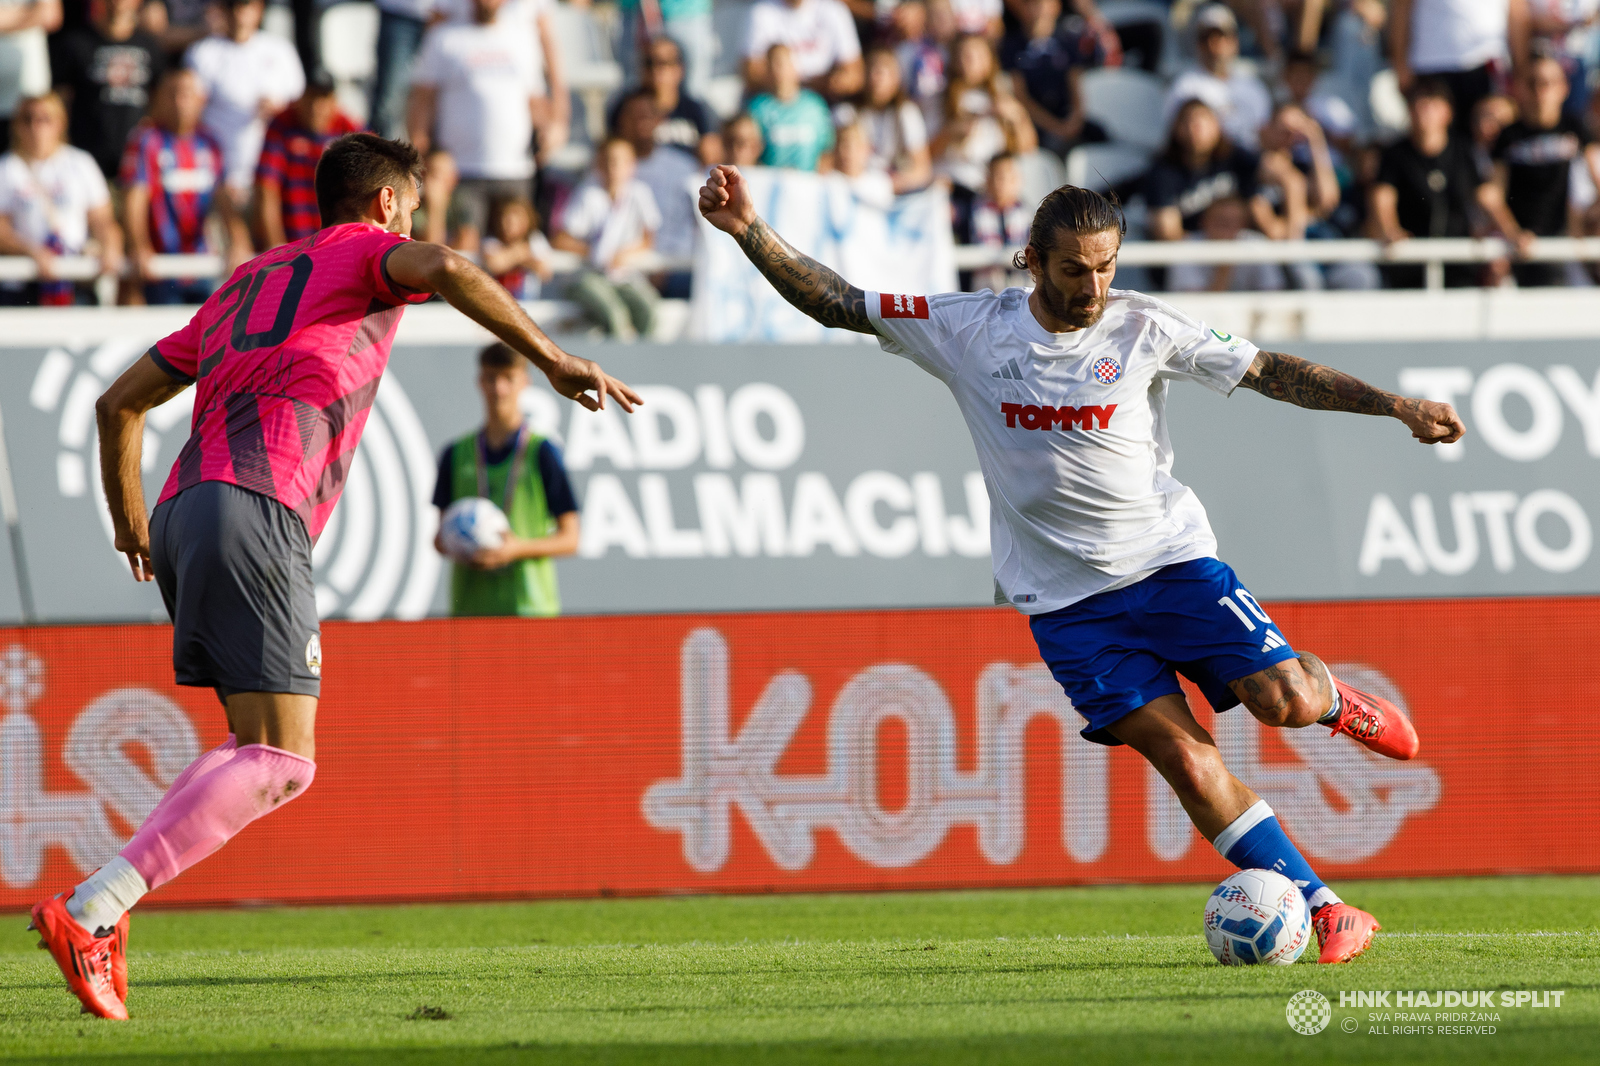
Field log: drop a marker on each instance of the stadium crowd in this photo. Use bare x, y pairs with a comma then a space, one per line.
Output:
136, 128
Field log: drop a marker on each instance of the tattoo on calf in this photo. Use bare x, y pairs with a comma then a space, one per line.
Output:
804, 282
1271, 692
1318, 673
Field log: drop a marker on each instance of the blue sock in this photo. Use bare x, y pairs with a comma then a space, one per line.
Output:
1255, 841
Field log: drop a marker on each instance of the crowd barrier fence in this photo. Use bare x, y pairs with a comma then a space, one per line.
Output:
1434, 253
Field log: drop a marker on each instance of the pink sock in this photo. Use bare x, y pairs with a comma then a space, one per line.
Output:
213, 807
215, 757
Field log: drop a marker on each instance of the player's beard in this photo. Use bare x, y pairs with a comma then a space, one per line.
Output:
1079, 312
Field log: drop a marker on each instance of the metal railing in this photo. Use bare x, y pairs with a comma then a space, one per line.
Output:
1432, 254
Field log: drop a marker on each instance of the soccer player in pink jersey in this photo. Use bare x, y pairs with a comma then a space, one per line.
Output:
285, 360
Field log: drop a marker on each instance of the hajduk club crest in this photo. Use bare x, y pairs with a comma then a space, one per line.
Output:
1107, 371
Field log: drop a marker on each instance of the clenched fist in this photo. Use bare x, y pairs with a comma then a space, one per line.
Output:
725, 201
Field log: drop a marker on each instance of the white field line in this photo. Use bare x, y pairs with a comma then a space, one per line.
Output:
1111, 938
747, 942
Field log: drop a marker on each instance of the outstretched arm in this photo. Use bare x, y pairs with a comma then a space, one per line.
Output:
119, 415
1322, 388
428, 267
810, 286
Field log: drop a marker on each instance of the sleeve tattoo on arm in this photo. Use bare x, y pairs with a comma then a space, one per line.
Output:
1319, 388
804, 282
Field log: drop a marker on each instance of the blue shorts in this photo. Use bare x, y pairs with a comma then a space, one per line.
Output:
1117, 651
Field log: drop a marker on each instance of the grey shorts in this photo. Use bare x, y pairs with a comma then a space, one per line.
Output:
234, 568
475, 199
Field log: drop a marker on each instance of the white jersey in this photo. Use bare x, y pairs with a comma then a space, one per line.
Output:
1453, 35
1071, 431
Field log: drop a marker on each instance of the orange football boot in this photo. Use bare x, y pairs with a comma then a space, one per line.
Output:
1376, 723
84, 959
1343, 932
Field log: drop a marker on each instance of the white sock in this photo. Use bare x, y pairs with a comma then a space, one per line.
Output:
1321, 898
106, 895
1257, 813
1334, 708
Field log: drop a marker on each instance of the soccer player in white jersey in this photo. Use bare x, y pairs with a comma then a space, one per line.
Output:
1064, 391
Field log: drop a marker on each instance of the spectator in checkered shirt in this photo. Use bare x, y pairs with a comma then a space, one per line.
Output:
171, 171
286, 195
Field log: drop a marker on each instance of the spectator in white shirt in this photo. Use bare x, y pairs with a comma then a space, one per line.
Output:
1465, 43
821, 36
552, 114
981, 119
981, 17
611, 220
893, 124
53, 199
669, 172
852, 160
24, 55
249, 77
476, 89
1238, 98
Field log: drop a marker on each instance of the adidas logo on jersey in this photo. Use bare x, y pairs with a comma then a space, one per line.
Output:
1031, 416
1272, 641
1010, 372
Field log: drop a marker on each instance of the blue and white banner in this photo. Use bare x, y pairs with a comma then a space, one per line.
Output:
903, 246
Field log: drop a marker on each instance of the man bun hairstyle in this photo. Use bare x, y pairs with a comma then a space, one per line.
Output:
355, 167
1070, 209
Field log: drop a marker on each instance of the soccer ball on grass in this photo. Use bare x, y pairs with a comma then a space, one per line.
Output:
1257, 916
470, 525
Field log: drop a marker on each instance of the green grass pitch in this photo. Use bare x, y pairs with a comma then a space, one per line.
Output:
1083, 975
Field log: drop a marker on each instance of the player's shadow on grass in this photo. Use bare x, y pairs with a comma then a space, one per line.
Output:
309, 982
1560, 1043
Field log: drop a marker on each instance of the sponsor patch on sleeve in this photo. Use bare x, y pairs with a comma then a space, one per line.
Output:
894, 305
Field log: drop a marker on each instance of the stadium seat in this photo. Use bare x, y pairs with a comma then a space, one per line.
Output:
278, 20
1041, 174
1129, 13
729, 18
724, 95
591, 72
1389, 111
1103, 166
1127, 103
349, 34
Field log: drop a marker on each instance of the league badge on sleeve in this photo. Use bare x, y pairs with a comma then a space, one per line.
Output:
1107, 371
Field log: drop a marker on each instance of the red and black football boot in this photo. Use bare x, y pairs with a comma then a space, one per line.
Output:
84, 959
1376, 723
1343, 932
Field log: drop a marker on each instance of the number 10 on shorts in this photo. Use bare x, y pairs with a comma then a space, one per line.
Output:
1244, 597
